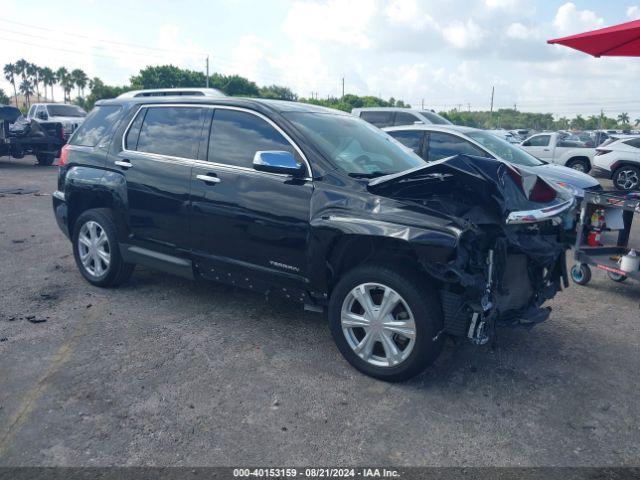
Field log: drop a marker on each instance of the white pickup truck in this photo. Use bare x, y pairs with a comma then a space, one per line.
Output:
554, 148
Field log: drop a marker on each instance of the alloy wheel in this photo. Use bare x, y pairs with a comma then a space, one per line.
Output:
93, 248
378, 325
627, 179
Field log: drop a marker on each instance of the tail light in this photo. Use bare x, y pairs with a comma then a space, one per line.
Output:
540, 191
602, 152
61, 130
64, 155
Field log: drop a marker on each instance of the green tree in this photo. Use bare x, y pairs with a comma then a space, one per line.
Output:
99, 91
277, 92
4, 100
48, 80
26, 88
62, 76
80, 79
10, 76
623, 118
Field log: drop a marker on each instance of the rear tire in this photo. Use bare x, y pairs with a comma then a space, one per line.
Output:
581, 274
626, 178
392, 346
96, 249
579, 164
616, 277
45, 159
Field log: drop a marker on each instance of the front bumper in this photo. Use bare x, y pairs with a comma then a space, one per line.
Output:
61, 212
597, 171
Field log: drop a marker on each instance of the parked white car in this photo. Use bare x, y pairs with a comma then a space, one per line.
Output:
619, 160
435, 142
554, 148
70, 116
389, 116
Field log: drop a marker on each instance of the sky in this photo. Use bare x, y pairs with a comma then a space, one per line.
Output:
440, 53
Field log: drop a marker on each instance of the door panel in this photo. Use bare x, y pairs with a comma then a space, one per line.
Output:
255, 220
161, 145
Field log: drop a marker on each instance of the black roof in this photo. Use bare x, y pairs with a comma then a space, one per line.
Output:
258, 104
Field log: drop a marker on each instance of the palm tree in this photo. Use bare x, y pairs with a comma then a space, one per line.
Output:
21, 68
623, 118
636, 122
27, 90
62, 74
48, 79
34, 77
80, 79
10, 76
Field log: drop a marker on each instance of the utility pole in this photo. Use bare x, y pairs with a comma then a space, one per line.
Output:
468, 107
422, 105
207, 71
492, 92
343, 86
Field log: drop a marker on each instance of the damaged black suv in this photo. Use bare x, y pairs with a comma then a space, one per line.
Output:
319, 207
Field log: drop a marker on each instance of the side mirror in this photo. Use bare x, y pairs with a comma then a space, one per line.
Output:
42, 115
274, 161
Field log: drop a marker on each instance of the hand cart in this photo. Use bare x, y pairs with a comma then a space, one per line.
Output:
604, 257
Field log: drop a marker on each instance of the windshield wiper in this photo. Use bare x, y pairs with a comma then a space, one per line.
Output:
369, 175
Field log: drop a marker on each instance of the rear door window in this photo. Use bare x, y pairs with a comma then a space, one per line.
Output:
404, 118
409, 138
236, 136
379, 119
99, 125
443, 145
538, 141
171, 131
634, 142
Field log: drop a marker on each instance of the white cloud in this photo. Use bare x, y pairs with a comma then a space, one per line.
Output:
337, 21
463, 35
408, 13
569, 19
518, 31
633, 12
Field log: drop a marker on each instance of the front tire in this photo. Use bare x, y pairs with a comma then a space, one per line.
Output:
579, 164
96, 249
386, 322
627, 178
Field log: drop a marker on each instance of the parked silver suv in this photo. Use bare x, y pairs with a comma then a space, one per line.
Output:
383, 117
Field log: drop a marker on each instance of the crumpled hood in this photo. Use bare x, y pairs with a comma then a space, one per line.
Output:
558, 173
481, 184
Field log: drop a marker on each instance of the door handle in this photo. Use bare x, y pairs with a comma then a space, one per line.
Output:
123, 163
208, 178
546, 150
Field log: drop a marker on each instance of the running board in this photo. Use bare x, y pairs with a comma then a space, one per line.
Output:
157, 260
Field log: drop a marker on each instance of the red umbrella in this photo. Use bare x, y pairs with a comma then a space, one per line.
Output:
618, 41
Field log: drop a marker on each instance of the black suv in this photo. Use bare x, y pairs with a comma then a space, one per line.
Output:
319, 207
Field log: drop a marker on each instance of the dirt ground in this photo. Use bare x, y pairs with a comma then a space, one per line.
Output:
164, 371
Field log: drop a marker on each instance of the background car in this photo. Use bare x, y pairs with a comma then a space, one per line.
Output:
70, 116
619, 160
434, 142
388, 116
555, 148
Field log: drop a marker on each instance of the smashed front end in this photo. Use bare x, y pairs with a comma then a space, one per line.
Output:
513, 228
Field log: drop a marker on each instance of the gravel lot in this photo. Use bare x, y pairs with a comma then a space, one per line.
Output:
164, 371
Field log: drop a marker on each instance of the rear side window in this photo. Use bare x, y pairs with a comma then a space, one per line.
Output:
236, 136
443, 145
99, 125
409, 138
379, 119
403, 118
170, 131
634, 142
538, 141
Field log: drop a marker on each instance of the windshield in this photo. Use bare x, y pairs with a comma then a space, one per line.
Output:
353, 145
65, 111
504, 150
435, 118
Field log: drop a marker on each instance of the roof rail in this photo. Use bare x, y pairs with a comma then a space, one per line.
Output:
173, 92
